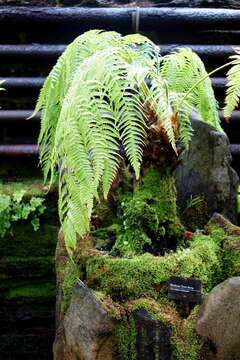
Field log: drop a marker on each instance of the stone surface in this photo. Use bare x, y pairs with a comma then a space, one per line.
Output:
219, 319
227, 226
87, 329
205, 170
153, 338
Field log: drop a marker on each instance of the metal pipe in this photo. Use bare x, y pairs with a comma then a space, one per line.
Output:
17, 115
19, 150
235, 149
150, 17
53, 51
204, 51
22, 115
37, 82
234, 117
23, 82
219, 82
31, 51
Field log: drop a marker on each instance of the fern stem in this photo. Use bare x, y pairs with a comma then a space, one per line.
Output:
202, 79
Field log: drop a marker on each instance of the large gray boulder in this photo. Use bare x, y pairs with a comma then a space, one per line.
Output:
87, 330
219, 319
205, 169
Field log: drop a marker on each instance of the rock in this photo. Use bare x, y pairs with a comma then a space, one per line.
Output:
153, 337
219, 319
61, 258
205, 170
226, 225
230, 244
88, 329
233, 245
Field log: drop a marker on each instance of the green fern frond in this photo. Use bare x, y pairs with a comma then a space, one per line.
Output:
58, 82
233, 85
183, 118
183, 69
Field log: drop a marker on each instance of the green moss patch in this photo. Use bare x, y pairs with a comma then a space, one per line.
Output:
230, 249
149, 215
32, 187
28, 267
231, 263
32, 293
126, 335
23, 241
185, 341
147, 275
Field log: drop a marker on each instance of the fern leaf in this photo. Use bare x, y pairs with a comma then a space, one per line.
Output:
233, 86
182, 70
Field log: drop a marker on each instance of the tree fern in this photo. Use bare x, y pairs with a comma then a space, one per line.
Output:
96, 100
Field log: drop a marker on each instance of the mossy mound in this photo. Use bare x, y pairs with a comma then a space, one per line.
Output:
148, 275
229, 237
125, 285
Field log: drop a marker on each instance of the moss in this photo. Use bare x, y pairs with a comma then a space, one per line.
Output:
195, 216
15, 259
126, 335
11, 284
114, 310
32, 293
28, 267
103, 235
70, 273
149, 214
230, 248
185, 341
231, 256
219, 222
147, 275
102, 216
32, 187
164, 310
231, 262
23, 241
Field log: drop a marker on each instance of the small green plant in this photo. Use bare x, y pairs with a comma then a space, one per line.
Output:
17, 208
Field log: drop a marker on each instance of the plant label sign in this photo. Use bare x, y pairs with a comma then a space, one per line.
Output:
187, 290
